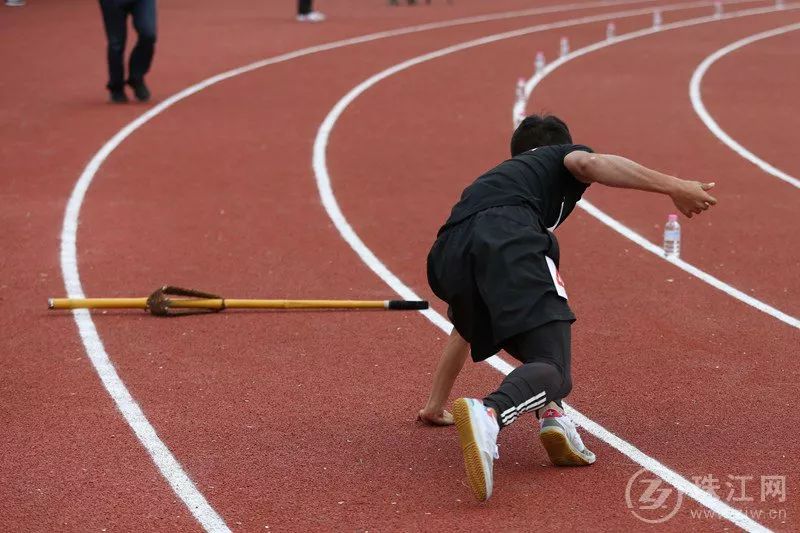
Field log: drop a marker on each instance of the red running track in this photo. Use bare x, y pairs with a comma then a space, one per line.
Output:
757, 84
279, 417
708, 348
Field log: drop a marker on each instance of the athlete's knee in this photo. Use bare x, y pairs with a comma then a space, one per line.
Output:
566, 386
550, 372
559, 383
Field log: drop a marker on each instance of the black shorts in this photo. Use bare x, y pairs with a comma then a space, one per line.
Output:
492, 271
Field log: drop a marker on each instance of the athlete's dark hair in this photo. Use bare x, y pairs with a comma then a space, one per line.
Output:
539, 130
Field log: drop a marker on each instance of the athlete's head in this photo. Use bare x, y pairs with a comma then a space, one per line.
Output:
539, 130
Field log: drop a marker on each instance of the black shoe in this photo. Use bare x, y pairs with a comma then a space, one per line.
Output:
118, 96
140, 90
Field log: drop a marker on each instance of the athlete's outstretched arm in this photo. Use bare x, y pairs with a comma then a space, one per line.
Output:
690, 197
450, 364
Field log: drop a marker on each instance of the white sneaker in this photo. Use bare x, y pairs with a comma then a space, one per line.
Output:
477, 429
313, 16
15, 3
561, 439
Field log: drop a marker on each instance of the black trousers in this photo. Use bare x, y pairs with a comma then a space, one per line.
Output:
544, 375
303, 7
115, 20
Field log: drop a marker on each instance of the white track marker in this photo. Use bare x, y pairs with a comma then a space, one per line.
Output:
624, 230
718, 9
563, 46
347, 232
540, 62
520, 89
695, 94
166, 463
611, 30
658, 19
518, 111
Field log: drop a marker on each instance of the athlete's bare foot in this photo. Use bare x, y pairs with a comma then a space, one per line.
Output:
441, 418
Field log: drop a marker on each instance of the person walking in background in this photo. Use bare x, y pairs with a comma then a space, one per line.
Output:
115, 20
305, 12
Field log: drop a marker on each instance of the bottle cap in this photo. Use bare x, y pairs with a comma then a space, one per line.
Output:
672, 218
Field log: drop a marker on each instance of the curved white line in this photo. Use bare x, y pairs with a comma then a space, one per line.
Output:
167, 464
624, 230
700, 108
331, 205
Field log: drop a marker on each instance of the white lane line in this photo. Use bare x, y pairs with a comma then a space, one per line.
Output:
618, 226
167, 464
331, 205
700, 108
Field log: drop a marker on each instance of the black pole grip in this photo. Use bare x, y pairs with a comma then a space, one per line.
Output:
407, 305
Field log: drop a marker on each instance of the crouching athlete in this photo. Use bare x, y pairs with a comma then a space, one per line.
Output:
495, 262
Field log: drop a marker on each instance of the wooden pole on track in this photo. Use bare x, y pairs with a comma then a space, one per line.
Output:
161, 303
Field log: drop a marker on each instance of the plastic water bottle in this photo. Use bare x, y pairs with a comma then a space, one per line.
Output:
672, 237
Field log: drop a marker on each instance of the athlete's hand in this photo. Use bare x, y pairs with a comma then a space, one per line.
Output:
691, 198
441, 418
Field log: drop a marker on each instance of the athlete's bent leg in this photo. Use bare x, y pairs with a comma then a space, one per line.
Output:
543, 377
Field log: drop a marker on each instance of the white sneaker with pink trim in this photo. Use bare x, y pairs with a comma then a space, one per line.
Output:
477, 429
560, 438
